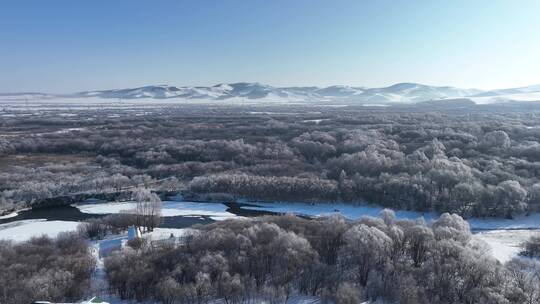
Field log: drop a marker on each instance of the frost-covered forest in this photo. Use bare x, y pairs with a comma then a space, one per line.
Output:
270, 152
273, 258
43, 268
480, 162
474, 163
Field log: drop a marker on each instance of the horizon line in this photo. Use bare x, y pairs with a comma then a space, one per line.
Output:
265, 84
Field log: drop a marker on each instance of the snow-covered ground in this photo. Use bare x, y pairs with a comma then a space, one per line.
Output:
165, 233
505, 244
23, 230
10, 215
99, 286
215, 211
504, 236
526, 96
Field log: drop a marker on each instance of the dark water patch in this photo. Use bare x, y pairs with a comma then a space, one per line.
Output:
184, 221
59, 213
70, 213
67, 200
73, 214
236, 209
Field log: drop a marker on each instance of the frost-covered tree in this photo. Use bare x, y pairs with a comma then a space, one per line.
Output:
147, 208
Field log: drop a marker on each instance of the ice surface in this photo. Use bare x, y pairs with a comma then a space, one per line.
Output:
23, 230
349, 211
357, 211
216, 211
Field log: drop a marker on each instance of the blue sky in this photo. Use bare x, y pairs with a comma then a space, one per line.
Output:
66, 46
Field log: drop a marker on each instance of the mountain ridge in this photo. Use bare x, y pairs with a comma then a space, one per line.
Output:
405, 92
400, 92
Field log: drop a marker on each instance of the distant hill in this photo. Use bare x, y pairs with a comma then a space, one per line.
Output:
400, 93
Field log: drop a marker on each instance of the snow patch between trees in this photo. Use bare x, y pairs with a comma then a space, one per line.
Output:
505, 244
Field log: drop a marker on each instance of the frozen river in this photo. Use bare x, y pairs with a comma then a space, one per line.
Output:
504, 236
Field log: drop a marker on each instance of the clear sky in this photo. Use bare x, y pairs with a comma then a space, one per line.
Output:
67, 46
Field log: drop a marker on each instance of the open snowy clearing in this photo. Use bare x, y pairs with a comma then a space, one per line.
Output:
23, 230
505, 244
20, 231
215, 211
97, 102
165, 233
531, 96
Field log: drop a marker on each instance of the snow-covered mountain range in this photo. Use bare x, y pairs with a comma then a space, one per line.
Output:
244, 91
402, 92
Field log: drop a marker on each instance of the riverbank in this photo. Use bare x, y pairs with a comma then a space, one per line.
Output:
504, 236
